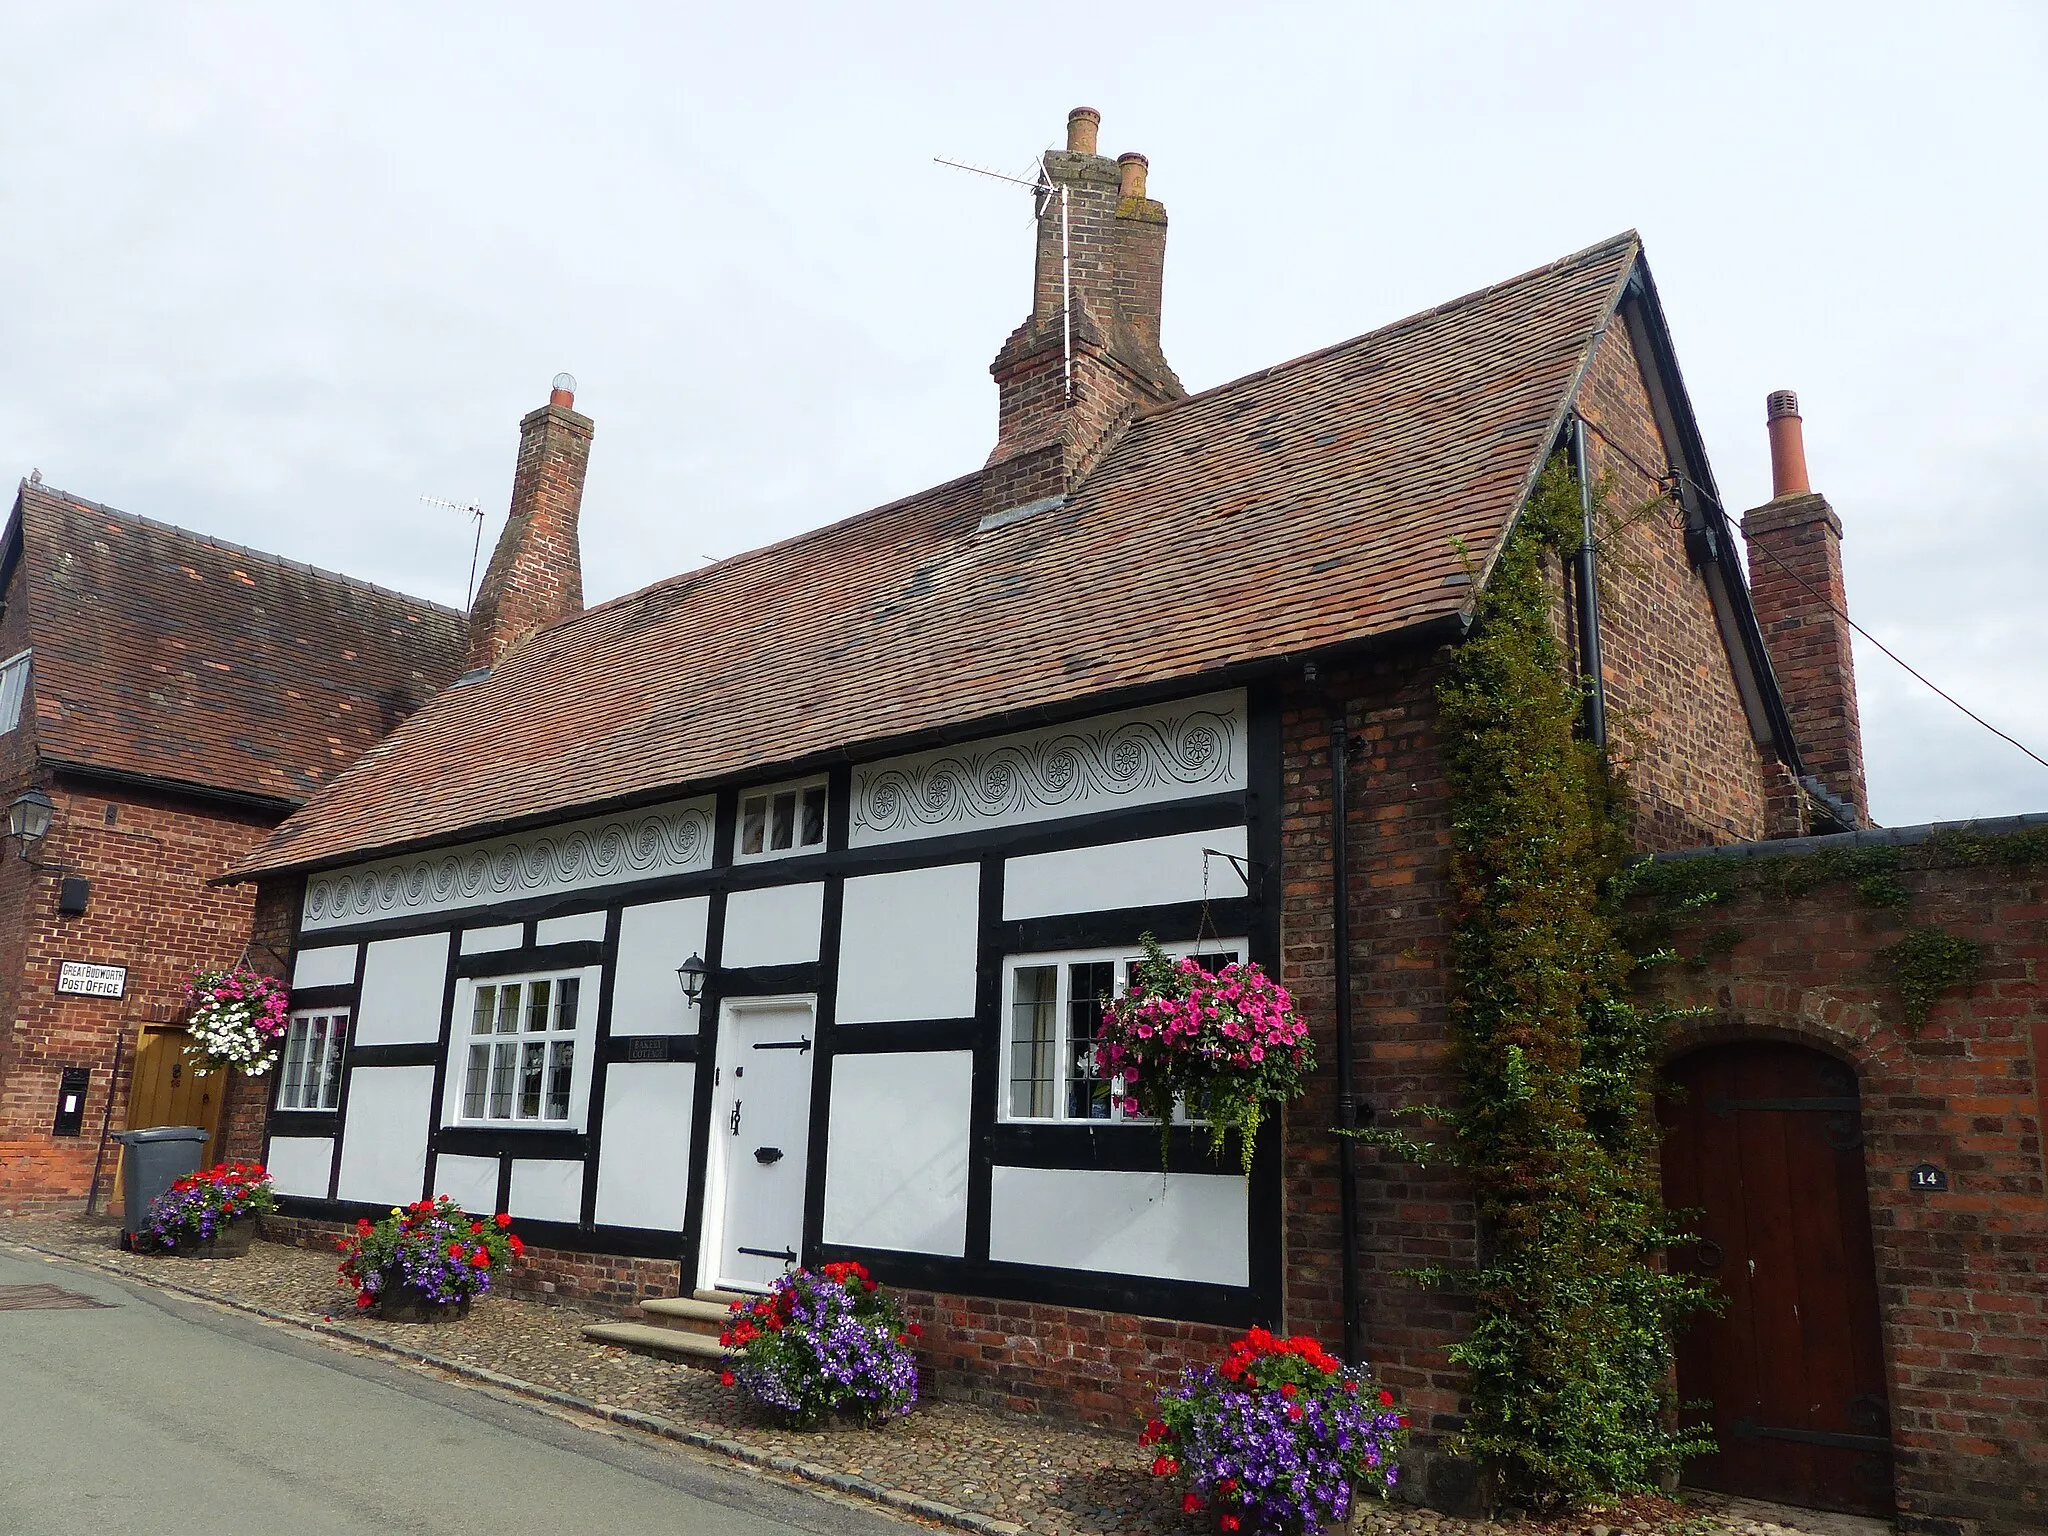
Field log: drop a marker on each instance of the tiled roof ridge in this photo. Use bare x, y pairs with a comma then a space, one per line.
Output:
1584, 255
802, 536
1393, 328
225, 546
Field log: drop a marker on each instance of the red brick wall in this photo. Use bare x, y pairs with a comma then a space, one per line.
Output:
1398, 847
535, 577
152, 910
1674, 717
1962, 1275
1073, 1363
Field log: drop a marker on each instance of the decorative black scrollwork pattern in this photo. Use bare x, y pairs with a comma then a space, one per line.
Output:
1066, 771
662, 841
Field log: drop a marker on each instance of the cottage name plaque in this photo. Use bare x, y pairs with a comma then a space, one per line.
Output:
75, 978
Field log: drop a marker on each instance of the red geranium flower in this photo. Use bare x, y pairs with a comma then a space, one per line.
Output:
502, 1220
1227, 1522
1165, 1466
1191, 1503
725, 1378
1386, 1398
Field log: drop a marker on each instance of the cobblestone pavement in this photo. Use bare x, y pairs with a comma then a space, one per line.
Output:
1043, 1478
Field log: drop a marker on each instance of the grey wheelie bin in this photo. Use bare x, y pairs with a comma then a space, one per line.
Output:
157, 1158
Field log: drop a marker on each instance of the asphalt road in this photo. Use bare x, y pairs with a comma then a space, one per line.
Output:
153, 1414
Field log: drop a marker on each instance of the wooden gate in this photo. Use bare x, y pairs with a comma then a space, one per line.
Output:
1766, 1142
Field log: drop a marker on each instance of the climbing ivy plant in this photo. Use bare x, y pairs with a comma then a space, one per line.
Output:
1569, 1355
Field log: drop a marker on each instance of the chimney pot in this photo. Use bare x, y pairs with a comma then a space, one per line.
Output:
1788, 445
1083, 124
1132, 166
564, 391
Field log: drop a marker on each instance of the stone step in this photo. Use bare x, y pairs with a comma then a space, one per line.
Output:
724, 1298
686, 1314
676, 1344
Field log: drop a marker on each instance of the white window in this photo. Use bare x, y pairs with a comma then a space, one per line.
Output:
1052, 1018
313, 1048
13, 686
521, 1050
780, 821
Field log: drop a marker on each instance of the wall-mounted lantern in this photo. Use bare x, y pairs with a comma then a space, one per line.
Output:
691, 974
28, 819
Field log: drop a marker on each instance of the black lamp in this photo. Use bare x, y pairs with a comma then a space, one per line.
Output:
28, 819
691, 974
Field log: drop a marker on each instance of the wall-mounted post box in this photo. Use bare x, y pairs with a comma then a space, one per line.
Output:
71, 1101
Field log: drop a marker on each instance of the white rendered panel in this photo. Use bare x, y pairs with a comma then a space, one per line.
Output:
403, 980
299, 1165
576, 928
384, 1142
1173, 751
643, 1171
487, 941
1148, 872
896, 1172
547, 1191
575, 856
647, 997
334, 966
908, 944
775, 925
471, 1182
1183, 1226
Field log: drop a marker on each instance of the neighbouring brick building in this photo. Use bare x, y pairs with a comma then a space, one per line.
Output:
176, 698
911, 786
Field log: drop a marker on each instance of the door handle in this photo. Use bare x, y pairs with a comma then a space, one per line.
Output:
735, 1117
767, 1154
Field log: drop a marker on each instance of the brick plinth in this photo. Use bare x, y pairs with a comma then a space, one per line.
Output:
610, 1282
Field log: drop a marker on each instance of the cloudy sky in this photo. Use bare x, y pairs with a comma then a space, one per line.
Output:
276, 272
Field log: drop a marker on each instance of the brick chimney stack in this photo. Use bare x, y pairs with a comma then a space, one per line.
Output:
1796, 587
536, 573
1104, 302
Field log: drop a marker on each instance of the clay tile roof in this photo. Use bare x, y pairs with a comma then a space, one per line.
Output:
177, 658
1323, 501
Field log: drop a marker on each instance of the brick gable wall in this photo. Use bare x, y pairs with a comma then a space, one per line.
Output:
1674, 716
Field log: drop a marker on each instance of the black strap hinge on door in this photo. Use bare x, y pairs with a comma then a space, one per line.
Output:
787, 1255
799, 1046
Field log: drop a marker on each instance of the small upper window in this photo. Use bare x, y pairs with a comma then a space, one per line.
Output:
780, 821
13, 686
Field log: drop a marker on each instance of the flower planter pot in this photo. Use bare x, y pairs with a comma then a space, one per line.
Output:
402, 1302
228, 1242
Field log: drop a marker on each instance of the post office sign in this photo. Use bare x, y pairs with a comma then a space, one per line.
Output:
75, 978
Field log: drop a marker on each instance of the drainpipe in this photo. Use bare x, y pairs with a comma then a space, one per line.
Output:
1588, 583
1347, 1098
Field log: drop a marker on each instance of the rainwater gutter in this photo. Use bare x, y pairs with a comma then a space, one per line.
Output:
1587, 582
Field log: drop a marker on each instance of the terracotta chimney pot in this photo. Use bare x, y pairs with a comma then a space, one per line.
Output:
1788, 445
1132, 167
1083, 124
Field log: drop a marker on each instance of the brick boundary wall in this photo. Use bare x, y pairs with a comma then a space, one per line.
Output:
1962, 1275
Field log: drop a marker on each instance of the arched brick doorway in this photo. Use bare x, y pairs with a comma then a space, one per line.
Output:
1765, 1140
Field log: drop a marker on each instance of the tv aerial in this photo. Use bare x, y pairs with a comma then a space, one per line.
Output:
1043, 190
473, 509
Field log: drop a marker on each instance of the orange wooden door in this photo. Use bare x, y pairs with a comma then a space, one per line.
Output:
164, 1090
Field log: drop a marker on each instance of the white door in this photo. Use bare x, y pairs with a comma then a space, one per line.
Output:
761, 1140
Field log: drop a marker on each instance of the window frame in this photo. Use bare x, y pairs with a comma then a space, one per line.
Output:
766, 795
14, 695
582, 1040
1123, 957
334, 1049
